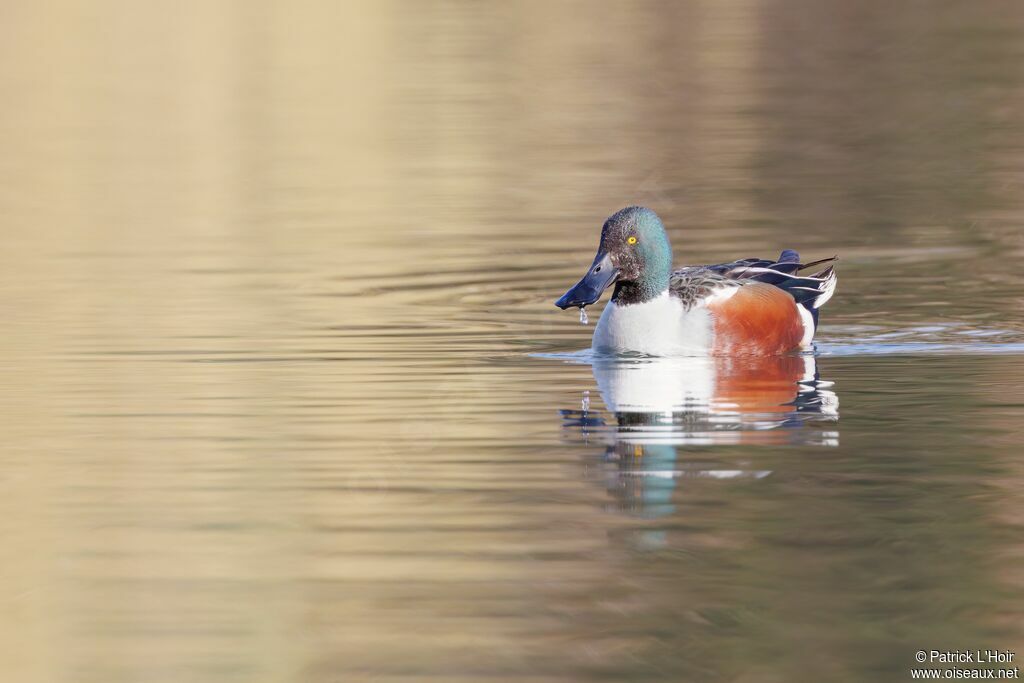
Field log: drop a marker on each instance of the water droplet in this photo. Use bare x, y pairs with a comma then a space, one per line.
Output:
585, 404
583, 316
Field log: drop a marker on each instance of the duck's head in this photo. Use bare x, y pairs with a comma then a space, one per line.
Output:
634, 254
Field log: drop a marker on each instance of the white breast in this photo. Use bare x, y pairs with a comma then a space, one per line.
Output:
659, 327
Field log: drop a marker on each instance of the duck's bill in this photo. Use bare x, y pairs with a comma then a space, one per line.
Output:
600, 277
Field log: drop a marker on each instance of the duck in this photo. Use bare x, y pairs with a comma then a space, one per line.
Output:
747, 307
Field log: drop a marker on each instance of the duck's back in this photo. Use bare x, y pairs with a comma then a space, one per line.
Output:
746, 307
757, 306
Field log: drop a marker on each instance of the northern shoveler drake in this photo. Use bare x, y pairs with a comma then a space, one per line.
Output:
751, 306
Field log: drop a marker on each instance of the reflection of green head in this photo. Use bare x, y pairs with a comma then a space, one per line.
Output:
657, 496
640, 250
649, 491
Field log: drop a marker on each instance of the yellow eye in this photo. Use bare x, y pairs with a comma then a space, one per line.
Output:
631, 240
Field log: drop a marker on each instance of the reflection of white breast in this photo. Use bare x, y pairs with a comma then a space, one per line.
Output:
659, 327
655, 385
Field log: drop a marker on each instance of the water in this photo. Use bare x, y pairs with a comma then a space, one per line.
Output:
287, 399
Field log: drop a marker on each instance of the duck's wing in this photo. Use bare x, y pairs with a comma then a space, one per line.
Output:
694, 284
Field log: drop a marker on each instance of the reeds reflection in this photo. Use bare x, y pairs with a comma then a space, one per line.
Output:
658, 412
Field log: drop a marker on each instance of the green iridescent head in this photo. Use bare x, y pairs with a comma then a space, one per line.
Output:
634, 254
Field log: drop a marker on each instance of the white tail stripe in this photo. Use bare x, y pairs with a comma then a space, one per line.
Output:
827, 290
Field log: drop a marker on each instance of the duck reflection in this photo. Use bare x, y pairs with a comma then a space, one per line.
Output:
656, 409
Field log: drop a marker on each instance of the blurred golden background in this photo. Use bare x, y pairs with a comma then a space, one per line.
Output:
272, 278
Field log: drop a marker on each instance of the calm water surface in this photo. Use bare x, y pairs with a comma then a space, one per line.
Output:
287, 399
